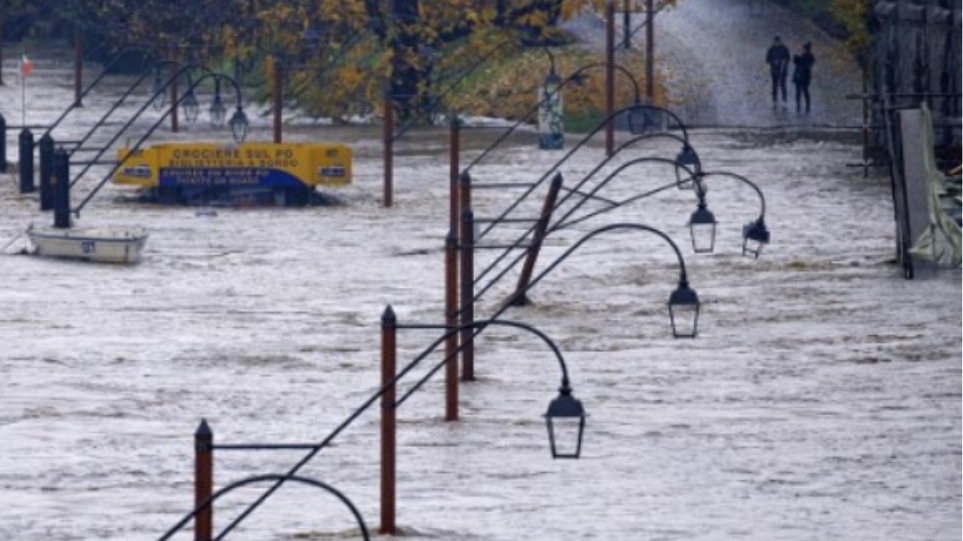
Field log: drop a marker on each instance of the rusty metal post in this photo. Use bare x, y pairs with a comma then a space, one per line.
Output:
451, 321
467, 311
174, 123
609, 77
203, 481
277, 98
519, 298
389, 427
388, 136
78, 66
650, 51
451, 274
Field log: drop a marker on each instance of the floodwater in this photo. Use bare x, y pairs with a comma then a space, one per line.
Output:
821, 399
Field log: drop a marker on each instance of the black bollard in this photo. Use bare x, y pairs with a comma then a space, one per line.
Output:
62, 189
46, 146
26, 162
3, 144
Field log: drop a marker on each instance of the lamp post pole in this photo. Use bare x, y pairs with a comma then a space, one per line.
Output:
174, 98
610, 77
389, 334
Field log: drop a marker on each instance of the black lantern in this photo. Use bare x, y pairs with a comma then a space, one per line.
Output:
689, 159
646, 119
684, 311
565, 420
191, 106
755, 237
157, 91
702, 227
218, 112
239, 124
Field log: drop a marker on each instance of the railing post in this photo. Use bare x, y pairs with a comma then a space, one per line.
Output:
78, 66
203, 481
4, 164
388, 136
389, 331
609, 77
26, 161
46, 147
451, 321
62, 189
467, 311
277, 98
538, 236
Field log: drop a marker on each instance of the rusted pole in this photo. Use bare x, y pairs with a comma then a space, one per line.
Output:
203, 481
451, 274
389, 332
609, 77
650, 51
451, 320
277, 98
174, 69
388, 136
78, 66
538, 236
467, 286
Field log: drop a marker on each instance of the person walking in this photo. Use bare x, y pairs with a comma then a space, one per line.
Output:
778, 59
803, 75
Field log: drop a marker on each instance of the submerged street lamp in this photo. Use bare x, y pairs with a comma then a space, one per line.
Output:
189, 103
755, 237
239, 124
689, 159
684, 307
218, 111
565, 420
702, 227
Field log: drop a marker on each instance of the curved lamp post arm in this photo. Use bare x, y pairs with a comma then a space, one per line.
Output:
479, 326
279, 478
92, 85
150, 131
744, 180
562, 224
570, 192
683, 276
388, 315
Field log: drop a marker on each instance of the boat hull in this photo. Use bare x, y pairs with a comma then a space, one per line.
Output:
119, 246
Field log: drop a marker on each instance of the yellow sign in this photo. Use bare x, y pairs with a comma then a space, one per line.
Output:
291, 165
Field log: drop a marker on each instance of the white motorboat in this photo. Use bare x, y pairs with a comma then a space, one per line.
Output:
102, 245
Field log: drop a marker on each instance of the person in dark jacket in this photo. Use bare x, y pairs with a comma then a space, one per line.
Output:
778, 59
803, 75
